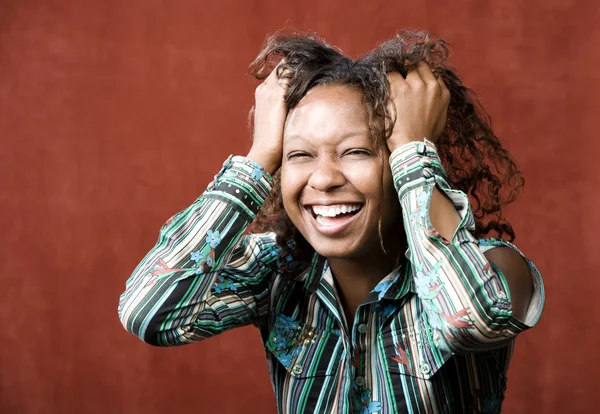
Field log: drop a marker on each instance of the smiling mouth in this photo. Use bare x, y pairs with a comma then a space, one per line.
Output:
333, 214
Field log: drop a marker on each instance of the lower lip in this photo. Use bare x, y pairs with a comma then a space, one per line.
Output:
335, 228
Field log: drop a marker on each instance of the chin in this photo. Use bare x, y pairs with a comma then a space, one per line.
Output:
333, 253
346, 248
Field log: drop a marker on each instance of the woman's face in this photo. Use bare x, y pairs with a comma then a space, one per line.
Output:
334, 184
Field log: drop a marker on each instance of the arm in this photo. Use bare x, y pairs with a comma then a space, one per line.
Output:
445, 220
202, 278
472, 303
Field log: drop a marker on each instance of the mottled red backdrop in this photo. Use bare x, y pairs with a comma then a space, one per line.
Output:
116, 114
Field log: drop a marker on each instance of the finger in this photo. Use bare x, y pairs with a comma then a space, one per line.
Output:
413, 77
394, 78
398, 88
398, 83
444, 89
426, 73
273, 77
440, 79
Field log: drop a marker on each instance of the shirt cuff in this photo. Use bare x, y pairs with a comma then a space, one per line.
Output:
243, 181
416, 164
417, 169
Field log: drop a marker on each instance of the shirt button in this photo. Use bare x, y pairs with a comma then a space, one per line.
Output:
427, 173
297, 369
425, 368
362, 328
360, 381
421, 148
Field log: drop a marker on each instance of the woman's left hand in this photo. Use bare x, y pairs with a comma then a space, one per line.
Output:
421, 103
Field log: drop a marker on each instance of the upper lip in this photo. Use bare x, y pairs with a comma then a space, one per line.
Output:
331, 203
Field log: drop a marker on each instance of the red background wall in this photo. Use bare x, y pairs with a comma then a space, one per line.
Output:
115, 115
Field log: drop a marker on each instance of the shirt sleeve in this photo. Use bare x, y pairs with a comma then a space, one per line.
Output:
203, 277
536, 304
465, 298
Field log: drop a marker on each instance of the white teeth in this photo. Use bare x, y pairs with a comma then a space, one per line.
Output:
327, 211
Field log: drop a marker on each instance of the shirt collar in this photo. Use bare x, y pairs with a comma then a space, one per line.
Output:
394, 286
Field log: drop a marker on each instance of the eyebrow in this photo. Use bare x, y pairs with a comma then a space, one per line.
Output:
344, 136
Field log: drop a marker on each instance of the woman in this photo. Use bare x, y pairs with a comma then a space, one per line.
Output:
366, 269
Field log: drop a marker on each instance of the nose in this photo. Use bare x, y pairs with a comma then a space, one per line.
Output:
327, 176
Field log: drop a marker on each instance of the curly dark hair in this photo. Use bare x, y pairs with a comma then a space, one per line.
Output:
473, 157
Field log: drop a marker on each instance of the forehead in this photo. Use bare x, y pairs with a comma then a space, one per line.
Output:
328, 110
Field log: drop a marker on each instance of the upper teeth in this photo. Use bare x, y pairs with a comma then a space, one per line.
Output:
332, 211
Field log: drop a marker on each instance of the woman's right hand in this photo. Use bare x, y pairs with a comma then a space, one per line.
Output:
270, 112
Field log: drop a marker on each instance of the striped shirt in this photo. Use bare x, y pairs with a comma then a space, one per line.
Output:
434, 336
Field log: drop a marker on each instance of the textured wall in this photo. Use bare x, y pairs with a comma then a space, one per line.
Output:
116, 114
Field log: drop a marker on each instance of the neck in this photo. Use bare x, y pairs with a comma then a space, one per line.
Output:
366, 274
356, 278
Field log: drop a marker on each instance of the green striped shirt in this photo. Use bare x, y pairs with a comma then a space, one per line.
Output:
434, 336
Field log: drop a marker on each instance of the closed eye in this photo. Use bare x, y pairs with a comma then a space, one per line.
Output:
297, 156
358, 152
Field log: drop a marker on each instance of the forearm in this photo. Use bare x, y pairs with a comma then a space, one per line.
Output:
465, 299
169, 289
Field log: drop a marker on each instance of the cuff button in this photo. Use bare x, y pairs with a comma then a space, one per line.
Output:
427, 173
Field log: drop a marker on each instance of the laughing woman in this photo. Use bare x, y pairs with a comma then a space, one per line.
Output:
347, 238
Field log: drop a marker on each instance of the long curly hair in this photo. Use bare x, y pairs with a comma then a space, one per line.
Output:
473, 157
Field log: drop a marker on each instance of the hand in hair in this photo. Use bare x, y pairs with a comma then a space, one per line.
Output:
420, 104
270, 112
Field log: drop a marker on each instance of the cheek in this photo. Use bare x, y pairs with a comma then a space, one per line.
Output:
366, 179
291, 186
377, 188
